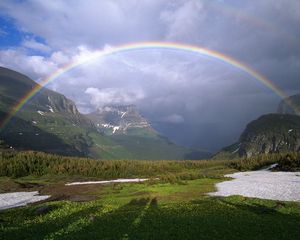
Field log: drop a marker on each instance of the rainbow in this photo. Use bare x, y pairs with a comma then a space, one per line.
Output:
146, 46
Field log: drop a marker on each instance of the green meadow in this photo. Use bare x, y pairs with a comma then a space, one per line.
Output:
175, 206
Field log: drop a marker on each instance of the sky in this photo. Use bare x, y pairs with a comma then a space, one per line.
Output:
194, 100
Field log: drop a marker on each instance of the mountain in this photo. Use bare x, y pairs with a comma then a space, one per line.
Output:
50, 122
272, 133
126, 126
285, 108
120, 120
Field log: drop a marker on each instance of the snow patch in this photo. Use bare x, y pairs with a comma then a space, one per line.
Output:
41, 113
106, 125
264, 184
121, 180
17, 199
116, 128
50, 108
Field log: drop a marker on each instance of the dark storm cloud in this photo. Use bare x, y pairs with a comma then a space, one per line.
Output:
196, 101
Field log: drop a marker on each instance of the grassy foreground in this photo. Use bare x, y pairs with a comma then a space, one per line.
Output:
155, 211
174, 207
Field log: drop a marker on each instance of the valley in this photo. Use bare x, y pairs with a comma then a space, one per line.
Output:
52, 123
111, 168
149, 120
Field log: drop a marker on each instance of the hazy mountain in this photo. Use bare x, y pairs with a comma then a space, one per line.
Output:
126, 126
284, 108
120, 120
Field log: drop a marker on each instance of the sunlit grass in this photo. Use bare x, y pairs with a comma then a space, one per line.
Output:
156, 211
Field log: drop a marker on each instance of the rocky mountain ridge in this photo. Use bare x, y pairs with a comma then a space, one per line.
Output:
271, 133
119, 119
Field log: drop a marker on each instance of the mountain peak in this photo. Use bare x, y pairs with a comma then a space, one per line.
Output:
119, 119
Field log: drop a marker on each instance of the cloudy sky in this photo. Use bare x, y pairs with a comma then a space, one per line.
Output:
194, 100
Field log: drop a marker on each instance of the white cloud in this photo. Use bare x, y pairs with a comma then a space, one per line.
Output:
36, 67
68, 24
183, 21
60, 58
32, 44
108, 96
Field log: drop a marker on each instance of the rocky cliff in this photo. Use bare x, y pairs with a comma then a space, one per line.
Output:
272, 133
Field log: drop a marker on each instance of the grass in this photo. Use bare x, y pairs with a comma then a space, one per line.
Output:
155, 211
174, 207
22, 164
289, 163
164, 192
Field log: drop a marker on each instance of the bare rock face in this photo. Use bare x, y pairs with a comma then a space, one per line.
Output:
50, 103
272, 133
62, 104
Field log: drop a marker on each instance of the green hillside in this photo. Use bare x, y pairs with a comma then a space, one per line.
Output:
51, 123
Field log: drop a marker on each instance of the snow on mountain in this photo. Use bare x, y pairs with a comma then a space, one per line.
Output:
118, 119
41, 113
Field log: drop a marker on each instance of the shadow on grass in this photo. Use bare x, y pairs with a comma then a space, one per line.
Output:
117, 224
39, 230
207, 218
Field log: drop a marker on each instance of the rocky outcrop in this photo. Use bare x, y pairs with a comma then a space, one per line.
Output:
62, 104
272, 133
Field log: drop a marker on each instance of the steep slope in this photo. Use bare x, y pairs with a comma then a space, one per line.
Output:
284, 108
272, 133
126, 126
52, 123
49, 122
